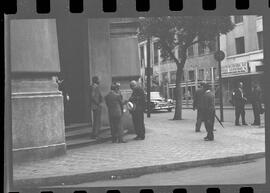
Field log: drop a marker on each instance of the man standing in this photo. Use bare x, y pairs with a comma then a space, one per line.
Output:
256, 104
115, 109
208, 112
138, 99
61, 87
239, 102
197, 104
96, 100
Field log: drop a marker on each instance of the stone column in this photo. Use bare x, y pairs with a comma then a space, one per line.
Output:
37, 104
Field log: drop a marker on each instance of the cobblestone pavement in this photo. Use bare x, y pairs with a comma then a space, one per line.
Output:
166, 142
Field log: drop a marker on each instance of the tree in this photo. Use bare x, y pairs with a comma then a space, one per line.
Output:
180, 32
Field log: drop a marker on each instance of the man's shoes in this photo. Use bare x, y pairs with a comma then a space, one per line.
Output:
208, 139
205, 138
255, 124
237, 124
122, 141
197, 131
137, 138
244, 124
142, 138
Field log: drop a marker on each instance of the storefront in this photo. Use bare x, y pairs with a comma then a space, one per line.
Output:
249, 73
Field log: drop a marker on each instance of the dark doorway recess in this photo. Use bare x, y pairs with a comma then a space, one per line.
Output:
74, 62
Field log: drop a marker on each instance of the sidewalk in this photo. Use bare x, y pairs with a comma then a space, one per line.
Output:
169, 145
247, 107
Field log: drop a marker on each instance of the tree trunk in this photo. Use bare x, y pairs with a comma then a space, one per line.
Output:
178, 105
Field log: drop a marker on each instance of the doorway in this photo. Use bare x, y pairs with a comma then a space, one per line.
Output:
74, 65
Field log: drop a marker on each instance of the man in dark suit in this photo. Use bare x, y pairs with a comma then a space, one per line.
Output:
138, 99
197, 104
96, 100
239, 102
208, 111
61, 87
256, 103
115, 110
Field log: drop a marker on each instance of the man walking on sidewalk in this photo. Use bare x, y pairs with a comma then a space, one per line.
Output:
208, 112
239, 102
96, 100
115, 109
197, 104
138, 99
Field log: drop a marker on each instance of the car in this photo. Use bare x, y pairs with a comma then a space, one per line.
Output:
158, 103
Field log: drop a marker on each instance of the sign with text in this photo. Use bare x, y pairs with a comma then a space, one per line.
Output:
235, 68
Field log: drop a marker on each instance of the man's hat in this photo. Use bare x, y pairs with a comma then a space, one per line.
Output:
130, 106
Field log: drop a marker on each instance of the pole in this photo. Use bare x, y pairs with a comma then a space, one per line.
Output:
220, 84
8, 161
148, 77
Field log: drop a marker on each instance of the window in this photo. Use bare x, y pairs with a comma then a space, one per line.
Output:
238, 19
165, 77
191, 75
201, 74
201, 48
215, 73
212, 45
155, 53
260, 40
240, 45
173, 77
190, 51
142, 55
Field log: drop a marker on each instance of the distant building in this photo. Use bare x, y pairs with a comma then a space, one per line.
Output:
200, 66
243, 47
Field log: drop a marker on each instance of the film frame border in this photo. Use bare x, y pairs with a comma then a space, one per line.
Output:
26, 9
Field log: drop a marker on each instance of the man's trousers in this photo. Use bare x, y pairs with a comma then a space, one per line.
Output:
240, 111
138, 122
96, 121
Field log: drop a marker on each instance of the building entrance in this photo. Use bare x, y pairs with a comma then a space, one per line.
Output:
73, 51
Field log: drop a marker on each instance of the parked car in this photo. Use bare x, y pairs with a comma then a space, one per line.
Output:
159, 103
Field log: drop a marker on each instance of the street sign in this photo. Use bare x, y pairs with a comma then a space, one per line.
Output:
219, 55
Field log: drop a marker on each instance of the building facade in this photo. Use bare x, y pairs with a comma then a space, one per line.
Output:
243, 47
200, 67
74, 49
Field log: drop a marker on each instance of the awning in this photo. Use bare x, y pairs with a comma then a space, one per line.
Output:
244, 74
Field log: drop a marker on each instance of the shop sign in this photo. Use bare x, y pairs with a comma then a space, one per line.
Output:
235, 68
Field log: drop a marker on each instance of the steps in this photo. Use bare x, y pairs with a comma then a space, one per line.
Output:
79, 135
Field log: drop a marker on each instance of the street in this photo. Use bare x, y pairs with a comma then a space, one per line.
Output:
252, 171
229, 115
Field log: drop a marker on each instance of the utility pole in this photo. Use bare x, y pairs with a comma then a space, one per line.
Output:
148, 74
219, 56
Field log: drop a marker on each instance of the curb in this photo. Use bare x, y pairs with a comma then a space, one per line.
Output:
127, 173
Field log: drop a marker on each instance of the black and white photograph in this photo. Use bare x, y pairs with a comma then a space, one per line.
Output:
136, 101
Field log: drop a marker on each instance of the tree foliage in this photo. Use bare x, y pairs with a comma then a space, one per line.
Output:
180, 32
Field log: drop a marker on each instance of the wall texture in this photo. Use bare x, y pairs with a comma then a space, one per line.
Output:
37, 105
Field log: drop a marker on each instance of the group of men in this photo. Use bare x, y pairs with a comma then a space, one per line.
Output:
115, 104
203, 101
239, 100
